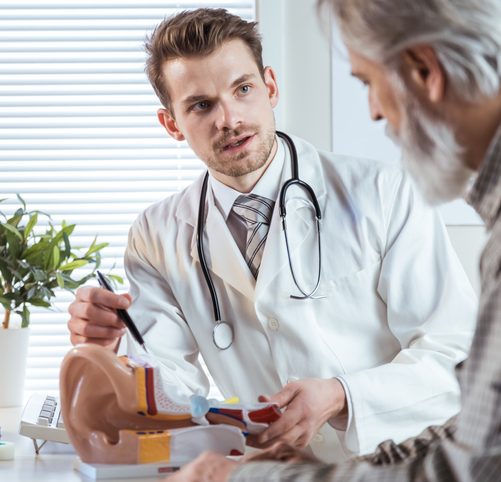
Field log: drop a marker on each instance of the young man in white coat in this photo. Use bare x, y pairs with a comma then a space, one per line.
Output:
371, 354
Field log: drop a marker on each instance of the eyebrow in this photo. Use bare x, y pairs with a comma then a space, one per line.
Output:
193, 99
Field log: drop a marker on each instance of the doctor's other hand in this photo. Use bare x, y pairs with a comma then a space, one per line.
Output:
207, 467
94, 319
307, 404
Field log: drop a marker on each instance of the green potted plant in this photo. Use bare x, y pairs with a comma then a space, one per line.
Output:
36, 258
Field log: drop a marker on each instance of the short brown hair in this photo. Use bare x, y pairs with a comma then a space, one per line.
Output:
193, 33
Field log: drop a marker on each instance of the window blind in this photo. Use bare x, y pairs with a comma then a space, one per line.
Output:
79, 138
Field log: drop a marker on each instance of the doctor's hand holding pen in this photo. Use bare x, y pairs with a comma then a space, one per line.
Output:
306, 406
94, 317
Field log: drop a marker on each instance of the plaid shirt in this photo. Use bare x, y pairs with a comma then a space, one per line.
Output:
468, 446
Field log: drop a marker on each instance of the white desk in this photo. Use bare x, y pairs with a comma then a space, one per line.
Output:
54, 464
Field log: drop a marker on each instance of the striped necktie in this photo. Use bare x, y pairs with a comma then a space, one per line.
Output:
256, 212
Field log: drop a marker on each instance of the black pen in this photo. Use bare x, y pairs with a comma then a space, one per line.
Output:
122, 314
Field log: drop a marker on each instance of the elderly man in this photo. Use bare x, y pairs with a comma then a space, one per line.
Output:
433, 71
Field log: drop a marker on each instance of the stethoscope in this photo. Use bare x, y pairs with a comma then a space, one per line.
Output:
222, 334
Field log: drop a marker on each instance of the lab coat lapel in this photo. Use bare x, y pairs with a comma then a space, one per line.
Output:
299, 218
221, 252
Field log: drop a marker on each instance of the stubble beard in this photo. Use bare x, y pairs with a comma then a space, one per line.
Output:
244, 162
430, 152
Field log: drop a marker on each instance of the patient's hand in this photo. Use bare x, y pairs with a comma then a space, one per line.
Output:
208, 467
282, 452
94, 318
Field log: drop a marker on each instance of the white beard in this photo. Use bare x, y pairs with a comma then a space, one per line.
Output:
430, 152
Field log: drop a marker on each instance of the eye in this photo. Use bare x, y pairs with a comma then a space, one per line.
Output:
244, 89
200, 106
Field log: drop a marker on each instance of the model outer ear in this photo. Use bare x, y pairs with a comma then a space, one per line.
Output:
110, 416
100, 403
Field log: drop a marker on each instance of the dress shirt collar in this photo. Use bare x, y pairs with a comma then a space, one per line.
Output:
268, 186
485, 195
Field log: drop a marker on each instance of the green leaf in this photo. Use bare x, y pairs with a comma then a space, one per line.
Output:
60, 280
13, 230
30, 225
95, 248
39, 302
117, 279
78, 263
39, 275
55, 258
23, 202
36, 253
67, 246
68, 229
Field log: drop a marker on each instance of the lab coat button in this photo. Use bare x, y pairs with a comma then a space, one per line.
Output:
273, 324
318, 438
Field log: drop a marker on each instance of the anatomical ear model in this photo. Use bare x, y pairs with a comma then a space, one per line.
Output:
119, 410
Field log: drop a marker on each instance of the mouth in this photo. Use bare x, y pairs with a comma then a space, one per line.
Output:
238, 143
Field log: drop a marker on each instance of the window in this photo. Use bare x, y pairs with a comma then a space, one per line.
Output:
79, 137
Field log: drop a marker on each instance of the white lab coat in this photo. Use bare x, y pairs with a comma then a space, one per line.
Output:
398, 312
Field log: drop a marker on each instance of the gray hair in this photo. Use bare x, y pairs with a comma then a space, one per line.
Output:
465, 34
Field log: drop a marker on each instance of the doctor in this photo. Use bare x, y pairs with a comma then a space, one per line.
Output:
366, 355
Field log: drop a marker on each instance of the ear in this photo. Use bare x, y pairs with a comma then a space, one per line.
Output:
422, 67
271, 84
167, 120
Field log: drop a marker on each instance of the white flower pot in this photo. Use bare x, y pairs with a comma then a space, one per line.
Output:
13, 355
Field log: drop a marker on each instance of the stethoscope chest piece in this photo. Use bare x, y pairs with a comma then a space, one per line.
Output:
222, 334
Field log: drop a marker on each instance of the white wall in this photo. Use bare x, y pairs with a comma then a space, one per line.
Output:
323, 104
300, 54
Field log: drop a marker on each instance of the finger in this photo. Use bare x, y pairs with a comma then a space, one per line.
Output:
76, 340
271, 453
94, 314
289, 419
89, 330
284, 396
279, 451
103, 297
253, 441
295, 437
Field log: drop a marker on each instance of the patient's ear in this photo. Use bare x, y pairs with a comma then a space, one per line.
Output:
423, 69
167, 120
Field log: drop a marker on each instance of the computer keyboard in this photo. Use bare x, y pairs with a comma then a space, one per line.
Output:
42, 421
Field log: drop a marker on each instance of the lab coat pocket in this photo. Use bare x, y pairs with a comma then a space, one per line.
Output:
354, 322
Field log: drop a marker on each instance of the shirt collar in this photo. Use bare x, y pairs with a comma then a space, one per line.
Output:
268, 186
485, 195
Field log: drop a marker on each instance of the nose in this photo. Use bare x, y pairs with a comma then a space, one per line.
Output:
228, 116
375, 109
